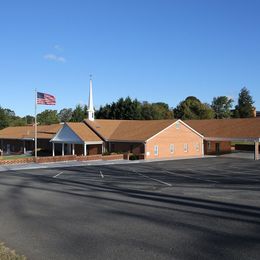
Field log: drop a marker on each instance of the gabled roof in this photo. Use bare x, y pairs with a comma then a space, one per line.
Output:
241, 128
128, 130
83, 132
27, 132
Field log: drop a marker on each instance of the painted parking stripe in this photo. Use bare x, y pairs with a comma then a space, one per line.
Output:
156, 180
101, 174
57, 175
190, 177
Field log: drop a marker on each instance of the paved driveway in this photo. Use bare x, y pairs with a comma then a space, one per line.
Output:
191, 209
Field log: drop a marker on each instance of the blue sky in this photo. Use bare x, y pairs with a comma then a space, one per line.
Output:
152, 50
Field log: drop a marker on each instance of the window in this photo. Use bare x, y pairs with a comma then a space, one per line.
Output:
209, 146
186, 148
171, 148
177, 125
156, 150
197, 147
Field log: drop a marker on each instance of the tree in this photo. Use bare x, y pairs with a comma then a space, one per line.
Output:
79, 113
244, 108
65, 115
48, 117
29, 120
222, 107
134, 110
192, 108
4, 120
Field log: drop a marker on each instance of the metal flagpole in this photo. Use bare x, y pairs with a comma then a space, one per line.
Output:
35, 127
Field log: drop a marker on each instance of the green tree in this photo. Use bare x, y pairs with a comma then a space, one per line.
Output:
4, 119
222, 107
134, 110
65, 114
244, 108
79, 113
29, 119
48, 117
192, 108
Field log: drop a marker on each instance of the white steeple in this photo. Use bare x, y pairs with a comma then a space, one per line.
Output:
91, 111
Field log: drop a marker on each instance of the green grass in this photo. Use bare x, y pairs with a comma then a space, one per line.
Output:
234, 143
8, 254
13, 157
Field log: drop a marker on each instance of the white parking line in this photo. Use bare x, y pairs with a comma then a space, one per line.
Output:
190, 177
57, 175
101, 174
162, 182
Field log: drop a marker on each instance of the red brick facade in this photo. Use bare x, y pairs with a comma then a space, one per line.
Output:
216, 147
176, 141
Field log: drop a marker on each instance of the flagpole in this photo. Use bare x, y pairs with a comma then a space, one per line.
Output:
35, 127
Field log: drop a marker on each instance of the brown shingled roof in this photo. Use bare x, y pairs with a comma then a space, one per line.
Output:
240, 128
128, 130
83, 132
27, 132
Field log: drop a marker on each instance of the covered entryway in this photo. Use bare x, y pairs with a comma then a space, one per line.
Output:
76, 139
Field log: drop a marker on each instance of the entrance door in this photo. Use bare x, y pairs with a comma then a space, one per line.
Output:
217, 148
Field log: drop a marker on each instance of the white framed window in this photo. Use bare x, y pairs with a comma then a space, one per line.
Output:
171, 148
197, 147
177, 125
209, 145
186, 148
156, 150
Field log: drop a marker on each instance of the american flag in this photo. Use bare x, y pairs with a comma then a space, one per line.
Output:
45, 99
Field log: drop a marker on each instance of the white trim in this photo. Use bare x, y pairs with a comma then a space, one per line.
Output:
94, 142
57, 133
180, 121
192, 129
231, 139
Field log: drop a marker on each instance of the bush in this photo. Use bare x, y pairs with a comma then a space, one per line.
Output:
133, 157
7, 254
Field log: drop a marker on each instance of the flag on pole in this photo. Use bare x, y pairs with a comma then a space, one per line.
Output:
45, 99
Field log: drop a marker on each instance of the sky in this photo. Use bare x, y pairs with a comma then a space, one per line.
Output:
152, 50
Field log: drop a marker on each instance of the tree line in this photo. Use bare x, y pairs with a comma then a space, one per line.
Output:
127, 108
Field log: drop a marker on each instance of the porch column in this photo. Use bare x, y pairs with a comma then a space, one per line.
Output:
73, 149
256, 150
24, 148
202, 148
103, 148
53, 149
85, 149
62, 149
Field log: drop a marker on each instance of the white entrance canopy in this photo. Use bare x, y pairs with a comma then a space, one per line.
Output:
75, 133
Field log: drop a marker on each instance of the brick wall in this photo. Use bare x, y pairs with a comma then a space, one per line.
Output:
177, 136
210, 147
135, 148
63, 158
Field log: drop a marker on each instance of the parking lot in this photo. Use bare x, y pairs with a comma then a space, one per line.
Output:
184, 209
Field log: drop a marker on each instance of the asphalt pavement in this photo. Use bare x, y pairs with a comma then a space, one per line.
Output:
188, 209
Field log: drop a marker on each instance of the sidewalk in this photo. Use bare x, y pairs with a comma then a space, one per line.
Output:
31, 166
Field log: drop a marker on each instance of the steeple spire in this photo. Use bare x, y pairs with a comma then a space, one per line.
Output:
91, 111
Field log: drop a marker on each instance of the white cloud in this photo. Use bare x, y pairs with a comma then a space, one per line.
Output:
58, 47
54, 57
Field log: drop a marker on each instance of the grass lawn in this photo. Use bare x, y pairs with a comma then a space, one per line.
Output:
234, 143
8, 254
13, 157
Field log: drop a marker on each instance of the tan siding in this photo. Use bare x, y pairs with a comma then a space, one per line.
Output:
177, 137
